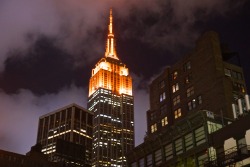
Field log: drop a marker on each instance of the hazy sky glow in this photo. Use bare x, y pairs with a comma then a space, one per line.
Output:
48, 48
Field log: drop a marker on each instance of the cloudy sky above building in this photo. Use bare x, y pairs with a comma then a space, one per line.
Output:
48, 48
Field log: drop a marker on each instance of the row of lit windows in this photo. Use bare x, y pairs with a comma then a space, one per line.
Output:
176, 100
164, 122
176, 148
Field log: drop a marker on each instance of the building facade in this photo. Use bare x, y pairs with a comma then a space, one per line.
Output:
198, 140
196, 105
66, 135
111, 101
34, 158
202, 80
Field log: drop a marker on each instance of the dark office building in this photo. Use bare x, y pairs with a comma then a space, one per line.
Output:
195, 106
34, 158
111, 101
66, 135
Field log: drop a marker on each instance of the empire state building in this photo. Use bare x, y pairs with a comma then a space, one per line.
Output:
111, 101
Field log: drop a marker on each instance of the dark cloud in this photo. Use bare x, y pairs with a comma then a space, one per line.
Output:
48, 48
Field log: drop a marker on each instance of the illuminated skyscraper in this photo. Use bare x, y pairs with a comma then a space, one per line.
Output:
111, 101
66, 136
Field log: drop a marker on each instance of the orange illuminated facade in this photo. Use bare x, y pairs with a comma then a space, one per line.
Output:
111, 73
111, 101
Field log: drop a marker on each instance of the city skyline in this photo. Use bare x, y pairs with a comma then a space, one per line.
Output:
42, 69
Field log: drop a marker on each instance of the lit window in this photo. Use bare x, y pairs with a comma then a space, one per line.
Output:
190, 91
174, 75
200, 136
175, 87
164, 121
191, 104
162, 96
177, 113
187, 66
176, 100
153, 128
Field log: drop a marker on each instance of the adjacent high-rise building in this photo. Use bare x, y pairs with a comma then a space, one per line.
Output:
111, 101
196, 106
202, 80
66, 135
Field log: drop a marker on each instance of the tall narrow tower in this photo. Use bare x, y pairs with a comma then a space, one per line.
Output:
111, 101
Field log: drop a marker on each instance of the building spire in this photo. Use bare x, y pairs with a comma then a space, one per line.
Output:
110, 46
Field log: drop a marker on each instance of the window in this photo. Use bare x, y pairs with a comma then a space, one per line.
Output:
234, 74
168, 151
177, 113
153, 128
164, 121
212, 127
162, 84
174, 75
178, 146
227, 72
162, 96
200, 136
188, 141
176, 100
199, 100
202, 158
175, 87
163, 109
239, 87
188, 79
190, 91
141, 162
133, 164
153, 116
192, 104
239, 76
187, 66
149, 160
158, 157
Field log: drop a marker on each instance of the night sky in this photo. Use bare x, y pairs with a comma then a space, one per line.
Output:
49, 47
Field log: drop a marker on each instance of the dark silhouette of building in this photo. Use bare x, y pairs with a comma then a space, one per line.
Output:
111, 101
66, 135
195, 106
34, 158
